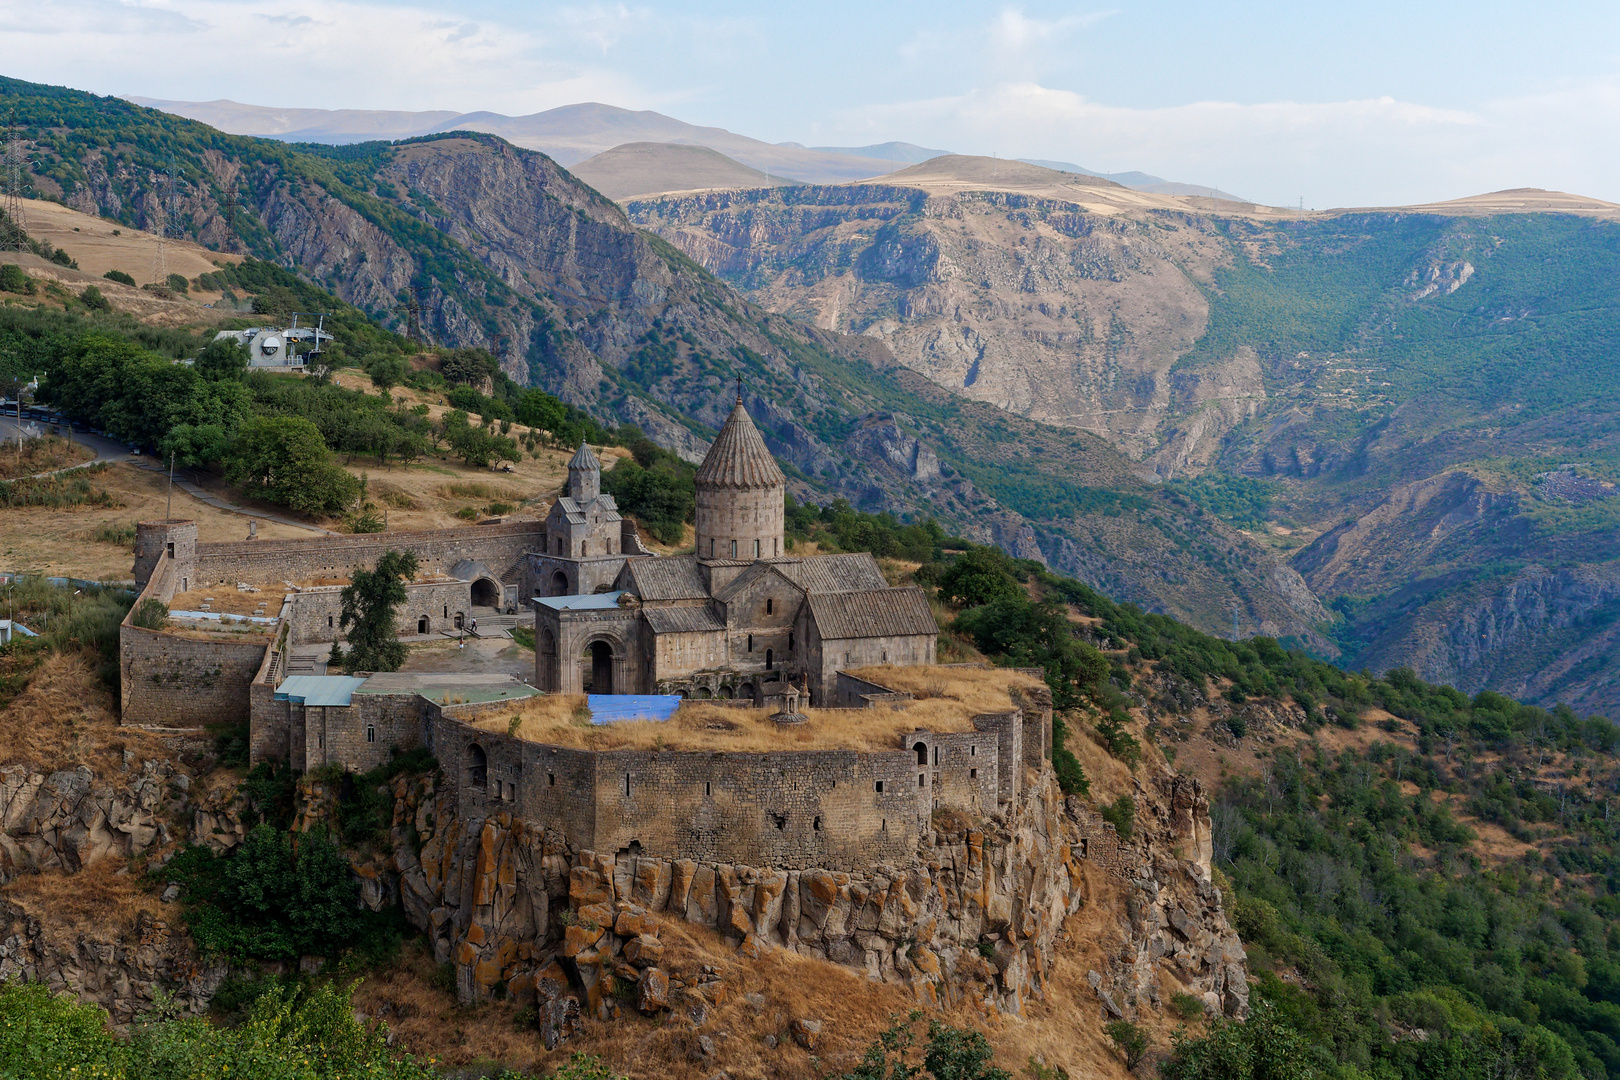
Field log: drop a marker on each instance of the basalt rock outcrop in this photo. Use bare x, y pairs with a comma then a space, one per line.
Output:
975, 917
124, 971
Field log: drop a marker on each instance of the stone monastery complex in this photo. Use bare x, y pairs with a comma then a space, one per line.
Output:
739, 622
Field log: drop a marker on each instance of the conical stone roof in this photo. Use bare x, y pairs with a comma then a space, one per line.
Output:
584, 459
738, 458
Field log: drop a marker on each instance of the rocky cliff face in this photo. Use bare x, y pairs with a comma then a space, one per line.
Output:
94, 944
1035, 305
977, 916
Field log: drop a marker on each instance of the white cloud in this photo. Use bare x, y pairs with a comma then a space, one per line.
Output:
1379, 150
325, 53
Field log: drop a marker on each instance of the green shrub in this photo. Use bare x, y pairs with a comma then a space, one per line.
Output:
92, 299
13, 280
120, 277
1130, 1040
153, 614
279, 896
1121, 813
1187, 1006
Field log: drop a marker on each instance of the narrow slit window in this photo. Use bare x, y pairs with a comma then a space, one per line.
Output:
371, 733
551, 779
627, 783
708, 787
769, 605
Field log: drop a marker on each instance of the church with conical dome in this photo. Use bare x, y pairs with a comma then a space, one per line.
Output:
739, 617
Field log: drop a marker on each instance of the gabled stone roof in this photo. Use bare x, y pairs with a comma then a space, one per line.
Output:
682, 620
833, 573
675, 577
738, 458
751, 575
888, 613
574, 510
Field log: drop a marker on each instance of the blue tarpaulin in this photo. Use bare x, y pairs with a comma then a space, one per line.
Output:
611, 708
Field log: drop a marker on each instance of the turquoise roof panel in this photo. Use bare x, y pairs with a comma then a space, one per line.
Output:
310, 690
601, 601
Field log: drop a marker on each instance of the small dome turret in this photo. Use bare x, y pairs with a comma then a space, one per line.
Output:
584, 475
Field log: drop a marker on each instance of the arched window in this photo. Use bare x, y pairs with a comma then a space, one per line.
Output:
922, 753
770, 659
734, 549
756, 549
371, 733
477, 766
711, 547
770, 605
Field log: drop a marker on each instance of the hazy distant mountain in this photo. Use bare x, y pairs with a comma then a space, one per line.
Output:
1141, 181
910, 153
633, 169
568, 135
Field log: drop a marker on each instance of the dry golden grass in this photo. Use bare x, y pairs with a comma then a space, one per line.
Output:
59, 541
1064, 1029
947, 701
979, 689
105, 897
226, 599
67, 717
101, 244
40, 455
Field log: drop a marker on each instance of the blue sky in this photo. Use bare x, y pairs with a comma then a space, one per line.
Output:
1372, 103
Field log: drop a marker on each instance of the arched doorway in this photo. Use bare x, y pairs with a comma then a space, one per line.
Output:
745, 692
477, 766
599, 672
922, 753
485, 593
559, 584
424, 625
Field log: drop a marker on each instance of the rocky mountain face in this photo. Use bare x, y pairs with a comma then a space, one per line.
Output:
1032, 304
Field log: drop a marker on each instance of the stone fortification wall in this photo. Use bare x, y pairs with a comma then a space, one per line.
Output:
790, 809
170, 680
499, 547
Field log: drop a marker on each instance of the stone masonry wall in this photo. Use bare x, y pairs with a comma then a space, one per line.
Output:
788, 809
172, 681
314, 613
497, 546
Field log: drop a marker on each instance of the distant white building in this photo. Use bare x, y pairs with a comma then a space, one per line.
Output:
278, 347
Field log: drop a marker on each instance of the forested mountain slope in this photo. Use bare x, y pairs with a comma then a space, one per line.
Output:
468, 241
